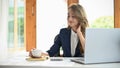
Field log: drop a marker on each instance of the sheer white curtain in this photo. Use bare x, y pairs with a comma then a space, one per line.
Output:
51, 17
3, 28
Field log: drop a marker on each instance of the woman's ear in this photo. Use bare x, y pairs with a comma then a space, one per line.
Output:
78, 25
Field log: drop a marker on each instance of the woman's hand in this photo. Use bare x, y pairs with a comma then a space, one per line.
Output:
79, 29
41, 54
81, 37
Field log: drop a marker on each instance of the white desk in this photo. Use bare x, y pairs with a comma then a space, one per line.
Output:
20, 61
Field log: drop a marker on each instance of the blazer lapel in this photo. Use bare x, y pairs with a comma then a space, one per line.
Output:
69, 41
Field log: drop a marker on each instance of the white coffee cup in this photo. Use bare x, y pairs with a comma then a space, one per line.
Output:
36, 52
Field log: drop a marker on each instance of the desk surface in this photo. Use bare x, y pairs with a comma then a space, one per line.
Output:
20, 61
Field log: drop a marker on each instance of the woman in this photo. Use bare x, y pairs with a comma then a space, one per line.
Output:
72, 38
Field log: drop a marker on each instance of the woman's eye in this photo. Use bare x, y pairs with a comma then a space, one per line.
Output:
73, 16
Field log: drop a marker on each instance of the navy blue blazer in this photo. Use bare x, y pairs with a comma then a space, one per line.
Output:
63, 40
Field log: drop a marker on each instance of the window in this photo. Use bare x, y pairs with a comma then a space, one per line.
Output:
16, 25
100, 13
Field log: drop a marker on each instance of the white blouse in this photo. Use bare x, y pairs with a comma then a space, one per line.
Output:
74, 42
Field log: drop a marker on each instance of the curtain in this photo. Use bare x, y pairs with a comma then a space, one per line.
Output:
3, 28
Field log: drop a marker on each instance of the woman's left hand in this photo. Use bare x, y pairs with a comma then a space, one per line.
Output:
81, 37
79, 29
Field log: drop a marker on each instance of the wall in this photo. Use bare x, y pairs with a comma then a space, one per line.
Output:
51, 17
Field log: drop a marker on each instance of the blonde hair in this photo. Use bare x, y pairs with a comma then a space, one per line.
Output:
80, 15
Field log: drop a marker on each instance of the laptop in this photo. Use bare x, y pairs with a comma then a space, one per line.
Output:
101, 46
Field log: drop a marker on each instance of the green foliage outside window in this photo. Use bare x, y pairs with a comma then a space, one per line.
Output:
103, 22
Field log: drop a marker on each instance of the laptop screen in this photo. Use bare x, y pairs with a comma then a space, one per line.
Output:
102, 45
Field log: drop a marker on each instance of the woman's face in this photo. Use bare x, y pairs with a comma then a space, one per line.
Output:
72, 20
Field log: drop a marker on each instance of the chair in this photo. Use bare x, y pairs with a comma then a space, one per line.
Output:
58, 54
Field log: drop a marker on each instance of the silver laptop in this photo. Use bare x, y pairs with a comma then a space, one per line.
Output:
102, 46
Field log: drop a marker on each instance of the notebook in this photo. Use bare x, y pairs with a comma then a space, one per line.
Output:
101, 46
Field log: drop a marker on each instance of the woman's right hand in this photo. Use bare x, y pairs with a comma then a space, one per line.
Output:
42, 54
